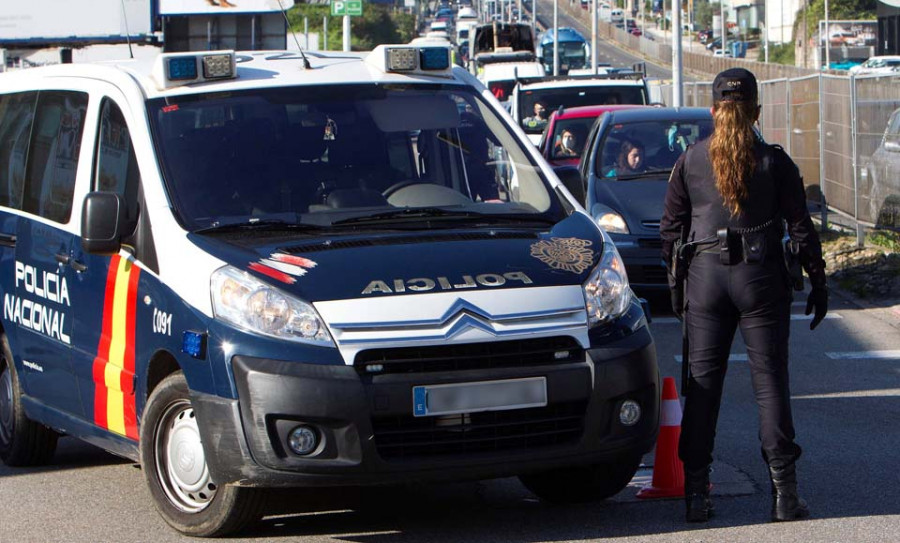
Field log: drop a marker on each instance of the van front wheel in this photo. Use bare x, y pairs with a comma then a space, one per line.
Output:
174, 465
582, 483
23, 442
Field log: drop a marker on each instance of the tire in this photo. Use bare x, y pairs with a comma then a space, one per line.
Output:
186, 497
583, 483
23, 442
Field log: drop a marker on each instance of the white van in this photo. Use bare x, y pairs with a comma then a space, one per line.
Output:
262, 270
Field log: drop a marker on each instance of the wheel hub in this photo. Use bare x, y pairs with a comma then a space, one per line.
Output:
181, 463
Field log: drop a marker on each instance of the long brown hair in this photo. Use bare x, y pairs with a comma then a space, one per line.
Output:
731, 150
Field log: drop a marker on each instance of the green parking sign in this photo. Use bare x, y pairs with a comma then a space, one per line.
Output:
346, 7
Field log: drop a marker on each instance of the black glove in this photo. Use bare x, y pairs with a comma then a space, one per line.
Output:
677, 302
818, 299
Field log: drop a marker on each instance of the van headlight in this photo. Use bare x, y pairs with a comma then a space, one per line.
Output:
242, 300
606, 292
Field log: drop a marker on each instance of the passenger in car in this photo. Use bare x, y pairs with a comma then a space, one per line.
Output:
631, 159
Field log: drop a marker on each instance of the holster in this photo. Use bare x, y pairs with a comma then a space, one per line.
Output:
792, 263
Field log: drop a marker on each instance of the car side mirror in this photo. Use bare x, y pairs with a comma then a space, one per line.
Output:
892, 144
571, 179
102, 222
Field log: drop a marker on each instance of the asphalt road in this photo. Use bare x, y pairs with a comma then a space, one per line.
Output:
846, 412
606, 51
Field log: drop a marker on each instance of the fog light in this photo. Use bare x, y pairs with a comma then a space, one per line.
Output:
303, 440
629, 413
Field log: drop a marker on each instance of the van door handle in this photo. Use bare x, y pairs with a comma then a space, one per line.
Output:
8, 240
67, 260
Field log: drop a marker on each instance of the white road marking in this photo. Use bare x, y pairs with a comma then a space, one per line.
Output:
673, 320
887, 392
865, 355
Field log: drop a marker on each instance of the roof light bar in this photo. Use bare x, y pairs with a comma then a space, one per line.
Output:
408, 59
174, 69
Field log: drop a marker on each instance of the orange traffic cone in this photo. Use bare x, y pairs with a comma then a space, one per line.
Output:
668, 471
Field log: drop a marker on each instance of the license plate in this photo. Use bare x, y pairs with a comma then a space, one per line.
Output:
503, 395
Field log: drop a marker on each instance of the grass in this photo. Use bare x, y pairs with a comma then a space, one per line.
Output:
888, 239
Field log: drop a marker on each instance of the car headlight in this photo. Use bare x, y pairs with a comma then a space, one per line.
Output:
609, 220
606, 292
244, 301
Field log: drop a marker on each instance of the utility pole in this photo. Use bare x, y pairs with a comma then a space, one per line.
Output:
676, 54
325, 33
555, 37
724, 26
827, 40
594, 59
346, 32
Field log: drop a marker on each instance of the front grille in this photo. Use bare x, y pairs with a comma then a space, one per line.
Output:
519, 429
646, 275
650, 243
650, 224
469, 356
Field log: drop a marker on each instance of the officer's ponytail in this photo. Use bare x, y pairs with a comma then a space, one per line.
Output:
731, 150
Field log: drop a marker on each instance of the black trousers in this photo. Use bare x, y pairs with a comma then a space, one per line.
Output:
721, 298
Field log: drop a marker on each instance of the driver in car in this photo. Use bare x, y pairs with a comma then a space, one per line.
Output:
631, 160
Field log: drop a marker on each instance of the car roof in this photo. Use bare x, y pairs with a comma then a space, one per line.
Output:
561, 81
659, 113
590, 111
255, 69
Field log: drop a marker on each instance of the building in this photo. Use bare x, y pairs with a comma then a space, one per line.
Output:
888, 13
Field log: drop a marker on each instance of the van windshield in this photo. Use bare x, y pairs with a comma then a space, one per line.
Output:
310, 155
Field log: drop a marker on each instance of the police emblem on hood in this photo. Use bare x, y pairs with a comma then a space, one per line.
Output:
569, 254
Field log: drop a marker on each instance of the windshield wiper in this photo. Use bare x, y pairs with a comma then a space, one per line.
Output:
260, 225
436, 213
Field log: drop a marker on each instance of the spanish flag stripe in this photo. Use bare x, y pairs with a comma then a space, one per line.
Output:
115, 401
103, 346
128, 387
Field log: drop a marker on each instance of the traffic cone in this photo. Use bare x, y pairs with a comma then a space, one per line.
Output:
668, 471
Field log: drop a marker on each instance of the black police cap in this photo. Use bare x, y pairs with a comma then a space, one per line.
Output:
736, 85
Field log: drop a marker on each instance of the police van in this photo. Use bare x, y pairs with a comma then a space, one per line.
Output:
260, 270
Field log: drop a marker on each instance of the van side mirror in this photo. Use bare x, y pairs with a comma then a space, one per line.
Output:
102, 222
892, 143
571, 179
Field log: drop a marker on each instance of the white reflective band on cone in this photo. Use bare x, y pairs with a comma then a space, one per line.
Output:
670, 413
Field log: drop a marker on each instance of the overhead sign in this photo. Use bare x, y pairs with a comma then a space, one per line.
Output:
82, 20
221, 7
346, 7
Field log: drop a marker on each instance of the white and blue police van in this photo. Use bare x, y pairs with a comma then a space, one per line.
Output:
258, 270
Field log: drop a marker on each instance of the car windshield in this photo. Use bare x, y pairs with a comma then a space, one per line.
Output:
569, 136
317, 156
640, 149
549, 100
572, 55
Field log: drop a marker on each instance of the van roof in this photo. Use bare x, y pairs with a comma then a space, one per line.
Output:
255, 69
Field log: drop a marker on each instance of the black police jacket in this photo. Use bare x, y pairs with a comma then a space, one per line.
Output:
774, 192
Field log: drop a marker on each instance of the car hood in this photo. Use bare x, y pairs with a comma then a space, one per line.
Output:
639, 201
338, 267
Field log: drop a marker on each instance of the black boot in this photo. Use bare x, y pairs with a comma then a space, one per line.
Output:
696, 495
786, 504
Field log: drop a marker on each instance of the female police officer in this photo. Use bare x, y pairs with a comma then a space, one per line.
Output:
727, 200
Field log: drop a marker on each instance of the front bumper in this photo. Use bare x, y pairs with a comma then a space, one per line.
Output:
369, 435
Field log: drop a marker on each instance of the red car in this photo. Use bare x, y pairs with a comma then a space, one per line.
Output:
564, 137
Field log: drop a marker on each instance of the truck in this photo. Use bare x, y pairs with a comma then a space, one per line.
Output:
574, 51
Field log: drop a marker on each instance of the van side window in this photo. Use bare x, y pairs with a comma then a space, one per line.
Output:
116, 166
53, 154
16, 116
